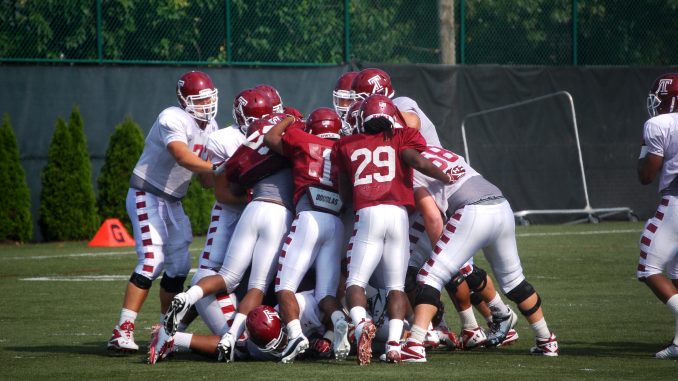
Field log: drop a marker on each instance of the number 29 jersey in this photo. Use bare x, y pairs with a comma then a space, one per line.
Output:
373, 163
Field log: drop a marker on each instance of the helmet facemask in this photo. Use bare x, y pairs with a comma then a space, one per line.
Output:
202, 106
342, 100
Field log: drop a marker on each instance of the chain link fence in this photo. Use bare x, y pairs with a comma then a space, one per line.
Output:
331, 32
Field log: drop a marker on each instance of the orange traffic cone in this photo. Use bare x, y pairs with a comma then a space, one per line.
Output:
112, 233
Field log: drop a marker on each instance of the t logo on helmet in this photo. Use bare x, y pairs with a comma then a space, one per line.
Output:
270, 314
663, 84
242, 101
376, 86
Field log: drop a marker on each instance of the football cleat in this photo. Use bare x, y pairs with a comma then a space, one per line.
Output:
500, 327
341, 346
176, 311
226, 348
546, 347
122, 339
511, 337
449, 339
365, 342
320, 347
161, 344
431, 340
473, 338
670, 352
412, 351
392, 352
294, 347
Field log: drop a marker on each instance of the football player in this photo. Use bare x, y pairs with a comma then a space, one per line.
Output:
272, 94
479, 217
341, 95
315, 238
160, 179
261, 229
376, 81
379, 161
659, 239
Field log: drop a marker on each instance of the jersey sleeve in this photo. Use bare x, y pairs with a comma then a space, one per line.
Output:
405, 104
654, 138
291, 139
171, 129
412, 139
336, 157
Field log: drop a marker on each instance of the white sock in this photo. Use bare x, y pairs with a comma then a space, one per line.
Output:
194, 294
395, 330
541, 330
417, 334
358, 314
294, 328
238, 326
182, 341
336, 317
125, 315
672, 303
498, 307
468, 319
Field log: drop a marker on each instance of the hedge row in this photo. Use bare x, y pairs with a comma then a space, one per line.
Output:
68, 207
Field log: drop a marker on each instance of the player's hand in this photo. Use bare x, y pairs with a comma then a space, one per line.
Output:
219, 168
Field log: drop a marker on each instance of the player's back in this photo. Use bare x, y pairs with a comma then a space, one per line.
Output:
427, 128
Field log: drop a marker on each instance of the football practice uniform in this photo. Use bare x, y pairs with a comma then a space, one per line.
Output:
427, 129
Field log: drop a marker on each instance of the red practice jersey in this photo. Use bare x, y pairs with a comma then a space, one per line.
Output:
378, 174
311, 164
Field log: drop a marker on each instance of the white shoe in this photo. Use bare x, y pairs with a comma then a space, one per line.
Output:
431, 339
670, 352
511, 337
412, 351
473, 338
294, 347
161, 344
364, 355
547, 347
391, 353
500, 327
341, 346
122, 339
176, 311
226, 348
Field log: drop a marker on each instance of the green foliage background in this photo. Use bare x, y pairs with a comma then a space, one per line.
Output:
16, 222
124, 148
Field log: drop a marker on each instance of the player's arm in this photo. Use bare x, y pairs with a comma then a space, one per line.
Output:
649, 166
226, 194
187, 159
423, 165
206, 180
273, 138
411, 119
433, 220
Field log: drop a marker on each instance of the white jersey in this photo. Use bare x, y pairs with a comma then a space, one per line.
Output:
156, 165
447, 161
221, 145
661, 137
427, 129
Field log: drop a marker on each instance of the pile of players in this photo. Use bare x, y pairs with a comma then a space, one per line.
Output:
351, 220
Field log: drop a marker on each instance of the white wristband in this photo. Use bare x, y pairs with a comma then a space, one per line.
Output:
643, 152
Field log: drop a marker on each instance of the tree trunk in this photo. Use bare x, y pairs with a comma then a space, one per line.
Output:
446, 31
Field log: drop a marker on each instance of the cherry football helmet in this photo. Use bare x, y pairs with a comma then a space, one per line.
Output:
663, 95
378, 106
273, 94
250, 105
291, 111
266, 330
324, 123
371, 81
197, 95
351, 118
341, 96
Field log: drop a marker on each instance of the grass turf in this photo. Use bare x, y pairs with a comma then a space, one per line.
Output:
58, 311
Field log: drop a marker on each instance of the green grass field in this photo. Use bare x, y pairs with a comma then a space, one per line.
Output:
61, 300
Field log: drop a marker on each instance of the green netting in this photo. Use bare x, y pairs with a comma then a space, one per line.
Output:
331, 32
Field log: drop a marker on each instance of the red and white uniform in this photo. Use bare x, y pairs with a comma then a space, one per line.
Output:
427, 129
316, 234
479, 217
217, 310
161, 229
259, 233
659, 240
382, 197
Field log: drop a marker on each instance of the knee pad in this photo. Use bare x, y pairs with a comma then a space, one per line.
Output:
172, 285
476, 298
411, 279
427, 295
453, 284
438, 317
140, 281
532, 309
521, 292
477, 279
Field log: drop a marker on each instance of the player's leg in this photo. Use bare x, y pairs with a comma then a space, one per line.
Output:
177, 257
659, 251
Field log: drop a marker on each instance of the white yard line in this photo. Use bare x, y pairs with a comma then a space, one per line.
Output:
94, 254
81, 278
596, 232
